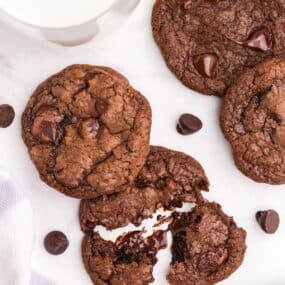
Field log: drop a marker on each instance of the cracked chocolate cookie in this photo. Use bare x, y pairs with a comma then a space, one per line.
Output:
253, 121
129, 261
87, 131
207, 246
208, 43
167, 179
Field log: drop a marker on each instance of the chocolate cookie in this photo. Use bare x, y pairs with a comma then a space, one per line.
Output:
167, 179
87, 131
207, 246
129, 261
253, 121
208, 43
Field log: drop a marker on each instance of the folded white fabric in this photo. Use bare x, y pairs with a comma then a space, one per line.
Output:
16, 236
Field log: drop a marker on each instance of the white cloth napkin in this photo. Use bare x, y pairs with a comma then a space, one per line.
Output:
16, 236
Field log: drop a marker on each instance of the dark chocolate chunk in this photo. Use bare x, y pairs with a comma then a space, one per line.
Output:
268, 220
7, 115
260, 40
56, 243
206, 64
189, 124
48, 131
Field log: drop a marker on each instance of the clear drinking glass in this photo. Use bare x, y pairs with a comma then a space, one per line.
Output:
108, 18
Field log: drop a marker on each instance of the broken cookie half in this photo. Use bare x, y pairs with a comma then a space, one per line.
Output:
167, 179
129, 260
207, 246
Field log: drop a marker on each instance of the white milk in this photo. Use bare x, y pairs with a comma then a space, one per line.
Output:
55, 13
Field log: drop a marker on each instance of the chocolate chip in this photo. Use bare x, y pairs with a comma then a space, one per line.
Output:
48, 131
89, 129
260, 40
7, 115
206, 64
188, 124
268, 220
56, 243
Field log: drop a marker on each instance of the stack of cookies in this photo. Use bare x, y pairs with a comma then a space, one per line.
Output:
87, 131
233, 49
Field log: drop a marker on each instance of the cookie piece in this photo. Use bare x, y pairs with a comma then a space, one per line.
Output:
208, 43
129, 261
207, 246
253, 121
167, 179
87, 131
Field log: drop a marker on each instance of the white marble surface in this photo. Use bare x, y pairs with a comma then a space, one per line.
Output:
24, 62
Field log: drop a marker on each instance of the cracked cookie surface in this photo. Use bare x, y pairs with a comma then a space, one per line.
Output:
167, 179
87, 131
208, 43
253, 121
207, 246
129, 260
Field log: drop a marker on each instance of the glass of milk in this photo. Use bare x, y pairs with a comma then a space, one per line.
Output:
68, 22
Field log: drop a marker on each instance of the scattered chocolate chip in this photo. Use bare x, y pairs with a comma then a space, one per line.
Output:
268, 220
7, 115
188, 124
206, 64
89, 129
56, 243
